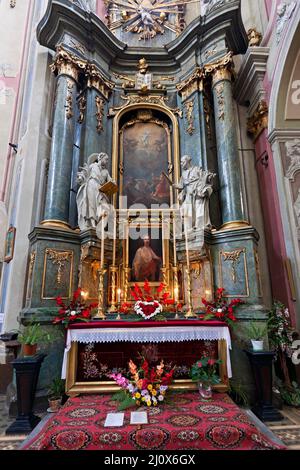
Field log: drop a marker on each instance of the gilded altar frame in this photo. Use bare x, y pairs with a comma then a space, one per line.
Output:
74, 387
173, 155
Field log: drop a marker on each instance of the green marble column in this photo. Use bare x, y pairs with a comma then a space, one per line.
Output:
227, 149
67, 68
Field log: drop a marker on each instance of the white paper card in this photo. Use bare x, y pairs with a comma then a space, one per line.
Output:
138, 417
114, 419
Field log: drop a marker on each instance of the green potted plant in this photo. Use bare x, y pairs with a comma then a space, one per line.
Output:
204, 372
55, 394
256, 334
30, 336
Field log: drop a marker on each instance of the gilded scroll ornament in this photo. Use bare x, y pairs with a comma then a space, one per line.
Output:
82, 108
189, 115
149, 99
234, 258
99, 113
59, 259
259, 121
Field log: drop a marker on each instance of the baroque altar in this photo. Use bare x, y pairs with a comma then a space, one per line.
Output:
144, 179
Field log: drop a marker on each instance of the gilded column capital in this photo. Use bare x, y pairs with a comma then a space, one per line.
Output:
95, 79
259, 120
67, 63
191, 84
221, 69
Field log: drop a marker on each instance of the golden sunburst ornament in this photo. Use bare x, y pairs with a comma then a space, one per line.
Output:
147, 17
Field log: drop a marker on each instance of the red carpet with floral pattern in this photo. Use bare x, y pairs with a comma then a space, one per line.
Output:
186, 422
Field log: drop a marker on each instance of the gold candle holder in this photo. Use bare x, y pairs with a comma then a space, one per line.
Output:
190, 312
126, 283
113, 276
119, 304
101, 311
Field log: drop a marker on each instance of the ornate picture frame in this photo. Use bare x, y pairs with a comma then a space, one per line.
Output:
9, 244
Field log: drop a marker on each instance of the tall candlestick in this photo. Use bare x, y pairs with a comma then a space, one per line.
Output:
100, 313
190, 312
114, 239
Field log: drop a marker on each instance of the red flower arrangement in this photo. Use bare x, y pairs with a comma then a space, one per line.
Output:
77, 310
148, 305
220, 308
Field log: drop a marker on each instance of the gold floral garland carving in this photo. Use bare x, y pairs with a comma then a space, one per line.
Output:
59, 259
234, 257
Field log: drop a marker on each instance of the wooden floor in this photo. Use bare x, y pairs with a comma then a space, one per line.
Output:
288, 430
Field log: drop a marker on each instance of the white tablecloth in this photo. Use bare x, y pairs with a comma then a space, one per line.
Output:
148, 335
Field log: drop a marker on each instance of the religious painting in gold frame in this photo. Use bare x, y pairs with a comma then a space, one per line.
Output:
137, 253
145, 153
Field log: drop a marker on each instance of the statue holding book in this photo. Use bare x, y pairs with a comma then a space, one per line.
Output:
95, 187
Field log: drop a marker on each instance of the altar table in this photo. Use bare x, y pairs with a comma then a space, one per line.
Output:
174, 331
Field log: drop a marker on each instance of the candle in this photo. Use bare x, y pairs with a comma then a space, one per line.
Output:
119, 296
176, 291
102, 245
115, 239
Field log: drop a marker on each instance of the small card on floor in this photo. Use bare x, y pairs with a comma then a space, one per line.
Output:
138, 417
114, 419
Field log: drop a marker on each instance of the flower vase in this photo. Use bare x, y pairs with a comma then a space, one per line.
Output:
205, 390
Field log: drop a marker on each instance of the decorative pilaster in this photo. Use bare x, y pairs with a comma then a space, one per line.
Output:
67, 67
227, 148
98, 92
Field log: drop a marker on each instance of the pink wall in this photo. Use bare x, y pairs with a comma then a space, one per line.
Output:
101, 10
273, 224
15, 83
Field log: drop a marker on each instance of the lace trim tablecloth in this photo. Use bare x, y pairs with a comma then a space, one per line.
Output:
148, 335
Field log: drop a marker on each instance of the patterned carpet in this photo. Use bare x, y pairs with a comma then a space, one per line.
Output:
185, 422
288, 430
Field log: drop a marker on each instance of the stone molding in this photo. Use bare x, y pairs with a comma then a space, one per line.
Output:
252, 72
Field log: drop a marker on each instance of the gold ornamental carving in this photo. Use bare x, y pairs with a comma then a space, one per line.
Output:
67, 63
145, 17
221, 102
142, 99
95, 79
69, 100
99, 113
259, 121
254, 37
191, 84
82, 108
222, 69
189, 115
59, 259
234, 258
12, 3
32, 259
207, 113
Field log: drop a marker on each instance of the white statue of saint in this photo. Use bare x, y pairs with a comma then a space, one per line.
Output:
92, 204
195, 189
